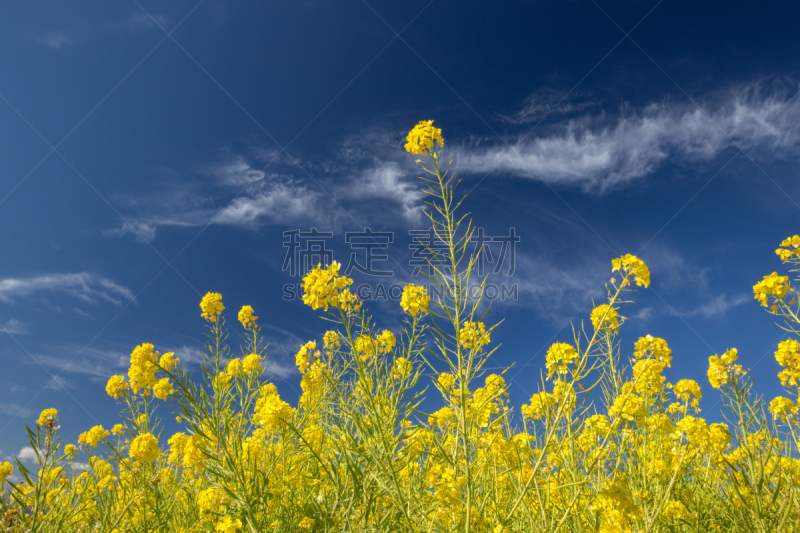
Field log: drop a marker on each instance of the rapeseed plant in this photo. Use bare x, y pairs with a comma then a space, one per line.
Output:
605, 445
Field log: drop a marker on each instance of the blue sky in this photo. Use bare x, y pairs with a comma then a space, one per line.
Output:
156, 152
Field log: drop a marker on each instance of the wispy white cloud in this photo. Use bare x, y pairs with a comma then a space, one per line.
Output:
14, 327
54, 40
387, 181
236, 172
89, 288
140, 21
548, 102
271, 202
59, 383
244, 195
96, 363
719, 306
188, 354
599, 153
14, 410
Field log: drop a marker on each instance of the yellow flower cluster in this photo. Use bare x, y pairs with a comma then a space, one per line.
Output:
605, 317
228, 525
628, 405
788, 356
163, 389
540, 405
414, 299
117, 387
722, 369
386, 341
790, 249
615, 505
247, 318
446, 381
70, 451
271, 411
145, 363
48, 418
653, 347
632, 265
422, 137
687, 390
783, 408
473, 335
6, 470
94, 436
772, 285
211, 305
144, 448
324, 287
647, 376
559, 355
251, 364
331, 341
306, 355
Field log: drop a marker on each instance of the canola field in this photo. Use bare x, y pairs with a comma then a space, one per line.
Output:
606, 445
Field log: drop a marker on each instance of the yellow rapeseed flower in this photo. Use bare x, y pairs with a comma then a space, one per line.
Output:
270, 410
559, 355
674, 509
331, 340
93, 437
306, 355
647, 376
722, 369
386, 341
630, 264
686, 390
788, 356
541, 403
446, 381
422, 137
117, 387
473, 335
783, 408
414, 300
247, 318
168, 361
322, 288
163, 389
791, 249
143, 368
234, 367
605, 317
48, 418
365, 347
6, 469
628, 405
144, 448
654, 347
228, 525
772, 285
252, 364
211, 305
